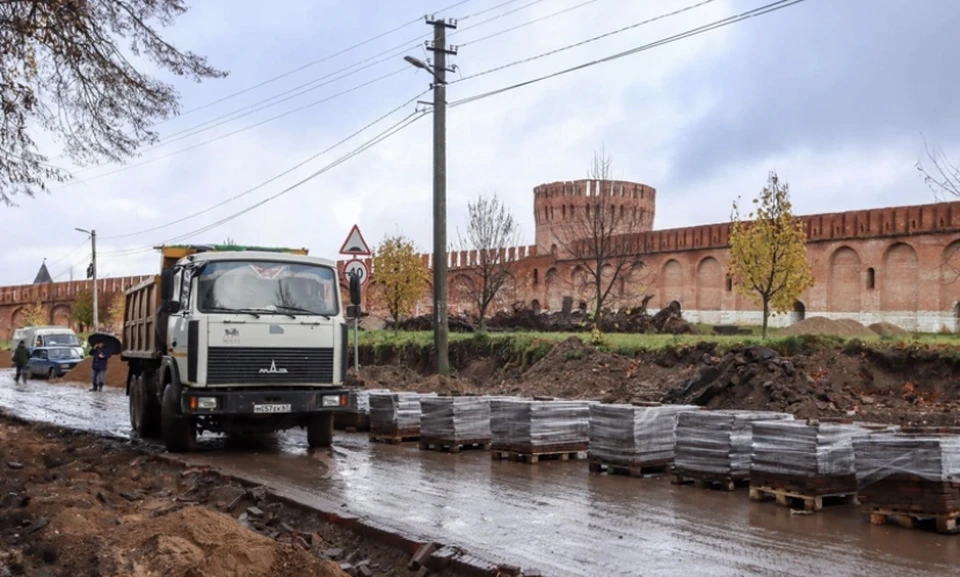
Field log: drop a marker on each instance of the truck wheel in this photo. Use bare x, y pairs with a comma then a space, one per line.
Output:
144, 414
320, 430
178, 431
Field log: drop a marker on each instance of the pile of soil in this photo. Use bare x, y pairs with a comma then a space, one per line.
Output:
886, 329
74, 505
6, 360
848, 328
83, 373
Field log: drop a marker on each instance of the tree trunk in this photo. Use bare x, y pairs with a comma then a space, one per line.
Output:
766, 315
596, 312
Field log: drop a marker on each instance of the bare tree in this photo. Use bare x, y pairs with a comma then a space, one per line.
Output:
944, 176
63, 71
604, 239
491, 230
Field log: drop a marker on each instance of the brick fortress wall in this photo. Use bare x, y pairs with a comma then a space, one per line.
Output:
899, 265
57, 298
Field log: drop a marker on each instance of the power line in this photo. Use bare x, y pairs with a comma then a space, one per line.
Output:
528, 23
587, 41
244, 129
763, 10
274, 178
402, 124
392, 52
312, 63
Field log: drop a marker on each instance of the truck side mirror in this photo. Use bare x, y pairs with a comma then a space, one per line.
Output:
355, 290
169, 307
166, 284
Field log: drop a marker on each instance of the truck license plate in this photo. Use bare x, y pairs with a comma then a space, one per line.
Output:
271, 408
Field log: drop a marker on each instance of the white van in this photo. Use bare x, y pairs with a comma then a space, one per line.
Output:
51, 336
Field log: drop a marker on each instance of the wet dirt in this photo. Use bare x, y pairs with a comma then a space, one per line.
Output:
554, 516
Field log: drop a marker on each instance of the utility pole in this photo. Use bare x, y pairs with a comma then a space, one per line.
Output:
92, 273
440, 52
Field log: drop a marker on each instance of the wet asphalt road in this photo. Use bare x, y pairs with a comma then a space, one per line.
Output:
554, 516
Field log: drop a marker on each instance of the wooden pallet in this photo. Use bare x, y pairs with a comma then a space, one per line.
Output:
448, 446
394, 438
533, 458
943, 522
812, 503
708, 481
631, 470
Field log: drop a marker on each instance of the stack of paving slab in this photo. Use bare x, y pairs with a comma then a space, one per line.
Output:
539, 427
717, 445
455, 420
914, 471
806, 457
357, 413
396, 414
634, 436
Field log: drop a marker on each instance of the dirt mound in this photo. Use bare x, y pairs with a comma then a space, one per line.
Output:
83, 373
6, 359
886, 329
198, 542
823, 326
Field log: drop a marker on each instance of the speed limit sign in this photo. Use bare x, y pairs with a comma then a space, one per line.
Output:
357, 267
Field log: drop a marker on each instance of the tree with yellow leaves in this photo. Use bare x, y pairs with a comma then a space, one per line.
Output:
400, 274
115, 312
768, 254
35, 315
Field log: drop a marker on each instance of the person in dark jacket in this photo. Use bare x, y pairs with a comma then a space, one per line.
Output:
100, 358
20, 360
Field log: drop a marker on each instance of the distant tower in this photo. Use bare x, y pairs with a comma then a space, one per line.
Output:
560, 209
43, 275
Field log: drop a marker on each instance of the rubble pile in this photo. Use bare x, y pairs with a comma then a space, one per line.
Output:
811, 458
718, 443
914, 472
539, 426
633, 436
455, 419
395, 413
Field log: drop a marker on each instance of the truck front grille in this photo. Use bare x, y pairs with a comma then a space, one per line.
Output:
242, 365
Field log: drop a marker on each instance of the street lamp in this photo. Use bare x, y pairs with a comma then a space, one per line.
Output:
92, 273
417, 63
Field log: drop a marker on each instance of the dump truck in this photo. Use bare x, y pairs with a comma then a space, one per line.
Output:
235, 340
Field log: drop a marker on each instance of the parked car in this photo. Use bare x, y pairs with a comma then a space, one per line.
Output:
52, 362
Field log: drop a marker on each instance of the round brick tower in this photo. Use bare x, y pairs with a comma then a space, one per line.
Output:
560, 209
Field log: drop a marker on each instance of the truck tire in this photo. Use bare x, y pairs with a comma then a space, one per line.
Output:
144, 412
320, 430
178, 431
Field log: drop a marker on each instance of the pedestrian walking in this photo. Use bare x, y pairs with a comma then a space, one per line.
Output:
21, 358
100, 358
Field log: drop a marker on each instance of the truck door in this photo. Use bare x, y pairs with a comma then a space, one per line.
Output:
177, 325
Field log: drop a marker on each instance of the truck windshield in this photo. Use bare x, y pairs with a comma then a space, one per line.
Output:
267, 288
61, 340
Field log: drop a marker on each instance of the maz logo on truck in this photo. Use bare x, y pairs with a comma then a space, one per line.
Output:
273, 370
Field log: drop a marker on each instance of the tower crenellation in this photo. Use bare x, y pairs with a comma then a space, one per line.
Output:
560, 209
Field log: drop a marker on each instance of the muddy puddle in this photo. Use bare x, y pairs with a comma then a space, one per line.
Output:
554, 516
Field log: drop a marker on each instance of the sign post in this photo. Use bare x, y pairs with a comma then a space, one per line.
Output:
355, 271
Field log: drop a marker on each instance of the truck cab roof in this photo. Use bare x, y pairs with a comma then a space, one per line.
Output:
259, 255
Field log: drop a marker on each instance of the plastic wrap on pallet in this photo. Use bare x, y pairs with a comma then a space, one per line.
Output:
399, 411
929, 457
718, 442
539, 423
632, 434
455, 418
360, 400
805, 449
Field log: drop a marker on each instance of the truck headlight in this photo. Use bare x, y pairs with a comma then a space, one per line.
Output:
331, 401
207, 403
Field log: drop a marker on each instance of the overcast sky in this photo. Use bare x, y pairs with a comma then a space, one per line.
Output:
834, 94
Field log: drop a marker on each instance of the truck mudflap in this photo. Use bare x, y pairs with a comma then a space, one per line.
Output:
273, 402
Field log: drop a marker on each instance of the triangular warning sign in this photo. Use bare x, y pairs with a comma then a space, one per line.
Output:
355, 243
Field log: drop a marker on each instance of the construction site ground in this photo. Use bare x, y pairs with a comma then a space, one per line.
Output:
555, 516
